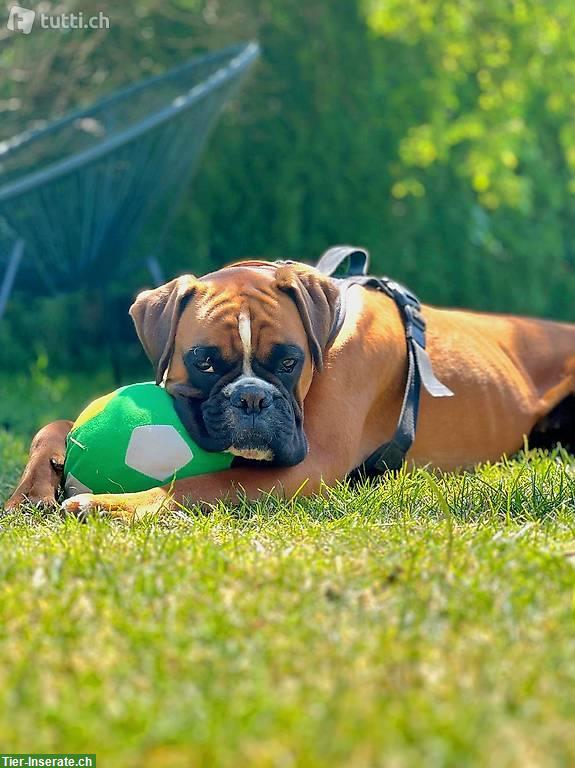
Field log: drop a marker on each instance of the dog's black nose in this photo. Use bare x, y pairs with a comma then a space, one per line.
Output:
251, 397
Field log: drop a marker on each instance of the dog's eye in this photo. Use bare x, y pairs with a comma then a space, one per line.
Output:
204, 365
288, 364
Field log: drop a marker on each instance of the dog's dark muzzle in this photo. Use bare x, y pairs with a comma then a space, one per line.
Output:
253, 415
253, 410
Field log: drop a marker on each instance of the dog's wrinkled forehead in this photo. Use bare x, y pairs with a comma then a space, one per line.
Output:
241, 311
256, 302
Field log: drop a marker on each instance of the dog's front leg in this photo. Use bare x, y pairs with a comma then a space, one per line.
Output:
42, 476
229, 485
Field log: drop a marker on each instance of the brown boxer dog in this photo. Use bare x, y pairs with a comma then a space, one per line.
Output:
247, 355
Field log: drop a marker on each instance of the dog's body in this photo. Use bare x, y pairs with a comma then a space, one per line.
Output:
245, 349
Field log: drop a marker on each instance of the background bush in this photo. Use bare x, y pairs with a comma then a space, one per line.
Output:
437, 133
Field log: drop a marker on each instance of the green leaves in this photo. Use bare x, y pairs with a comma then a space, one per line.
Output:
486, 66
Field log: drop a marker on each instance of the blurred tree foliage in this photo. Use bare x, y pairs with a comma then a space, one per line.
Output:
490, 137
438, 133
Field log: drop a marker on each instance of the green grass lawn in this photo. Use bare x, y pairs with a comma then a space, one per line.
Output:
417, 621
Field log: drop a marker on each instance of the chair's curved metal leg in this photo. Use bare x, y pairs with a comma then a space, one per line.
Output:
10, 274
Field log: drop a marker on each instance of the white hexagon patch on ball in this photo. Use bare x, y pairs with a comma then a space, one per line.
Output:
158, 451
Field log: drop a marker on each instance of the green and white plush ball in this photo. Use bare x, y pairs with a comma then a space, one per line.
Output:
132, 440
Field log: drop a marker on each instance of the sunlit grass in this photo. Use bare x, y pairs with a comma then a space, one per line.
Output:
419, 620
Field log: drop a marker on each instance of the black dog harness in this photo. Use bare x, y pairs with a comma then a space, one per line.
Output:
348, 266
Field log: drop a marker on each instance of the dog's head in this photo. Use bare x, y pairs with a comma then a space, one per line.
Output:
237, 350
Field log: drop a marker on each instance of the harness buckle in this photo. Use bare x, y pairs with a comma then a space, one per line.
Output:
414, 324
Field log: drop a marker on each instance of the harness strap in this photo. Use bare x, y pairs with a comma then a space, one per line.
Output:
349, 266
344, 261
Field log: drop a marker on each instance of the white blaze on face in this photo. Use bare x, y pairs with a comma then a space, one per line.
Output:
245, 329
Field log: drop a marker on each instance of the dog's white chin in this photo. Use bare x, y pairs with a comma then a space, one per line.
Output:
254, 454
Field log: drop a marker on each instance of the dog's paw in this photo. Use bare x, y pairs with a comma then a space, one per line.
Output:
81, 506
41, 498
124, 506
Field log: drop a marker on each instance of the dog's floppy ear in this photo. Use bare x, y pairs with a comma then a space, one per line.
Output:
156, 314
318, 303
